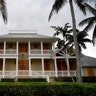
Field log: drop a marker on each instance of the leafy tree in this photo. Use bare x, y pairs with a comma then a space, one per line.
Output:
58, 4
90, 21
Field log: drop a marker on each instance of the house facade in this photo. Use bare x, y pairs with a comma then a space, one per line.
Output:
26, 54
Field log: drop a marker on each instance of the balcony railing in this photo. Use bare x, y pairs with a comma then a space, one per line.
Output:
37, 51
10, 51
1, 51
34, 51
35, 74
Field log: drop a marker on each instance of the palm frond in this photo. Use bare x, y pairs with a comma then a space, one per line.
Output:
94, 35
90, 25
91, 9
58, 4
85, 21
81, 5
3, 10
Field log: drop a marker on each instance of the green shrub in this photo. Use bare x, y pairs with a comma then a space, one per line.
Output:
64, 79
7, 79
31, 80
69, 79
89, 79
47, 89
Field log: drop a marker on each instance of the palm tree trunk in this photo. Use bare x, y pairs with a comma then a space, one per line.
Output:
78, 74
68, 66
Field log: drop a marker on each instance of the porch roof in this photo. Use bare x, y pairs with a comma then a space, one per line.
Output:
88, 61
26, 37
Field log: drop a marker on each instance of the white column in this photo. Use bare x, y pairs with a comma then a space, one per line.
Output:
55, 67
30, 71
4, 47
41, 47
53, 46
17, 47
29, 47
16, 66
43, 67
3, 67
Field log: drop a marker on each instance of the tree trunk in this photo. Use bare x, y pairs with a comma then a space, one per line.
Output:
78, 61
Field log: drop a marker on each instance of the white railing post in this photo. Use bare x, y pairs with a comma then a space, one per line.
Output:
4, 47
16, 67
29, 46
3, 68
17, 47
41, 47
30, 72
43, 67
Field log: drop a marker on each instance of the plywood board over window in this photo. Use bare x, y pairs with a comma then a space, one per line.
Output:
46, 46
1, 46
1, 64
90, 71
61, 64
47, 64
23, 48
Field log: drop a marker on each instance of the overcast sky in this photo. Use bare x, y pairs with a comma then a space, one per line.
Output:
33, 15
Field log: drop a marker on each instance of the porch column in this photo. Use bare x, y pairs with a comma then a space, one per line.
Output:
16, 67
3, 74
4, 47
43, 67
53, 45
30, 72
17, 47
29, 47
55, 67
41, 47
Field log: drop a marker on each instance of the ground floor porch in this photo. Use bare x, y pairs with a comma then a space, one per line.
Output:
40, 67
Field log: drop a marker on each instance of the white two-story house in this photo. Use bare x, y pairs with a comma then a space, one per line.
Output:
27, 54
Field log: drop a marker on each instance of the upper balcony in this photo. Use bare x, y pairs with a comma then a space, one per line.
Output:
30, 49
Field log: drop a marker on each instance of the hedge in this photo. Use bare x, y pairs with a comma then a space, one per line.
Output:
69, 79
23, 80
47, 89
31, 80
7, 79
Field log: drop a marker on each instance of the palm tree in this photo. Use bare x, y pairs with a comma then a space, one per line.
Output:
90, 21
68, 43
3, 10
81, 38
56, 7
64, 31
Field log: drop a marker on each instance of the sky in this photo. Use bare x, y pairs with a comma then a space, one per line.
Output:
33, 15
